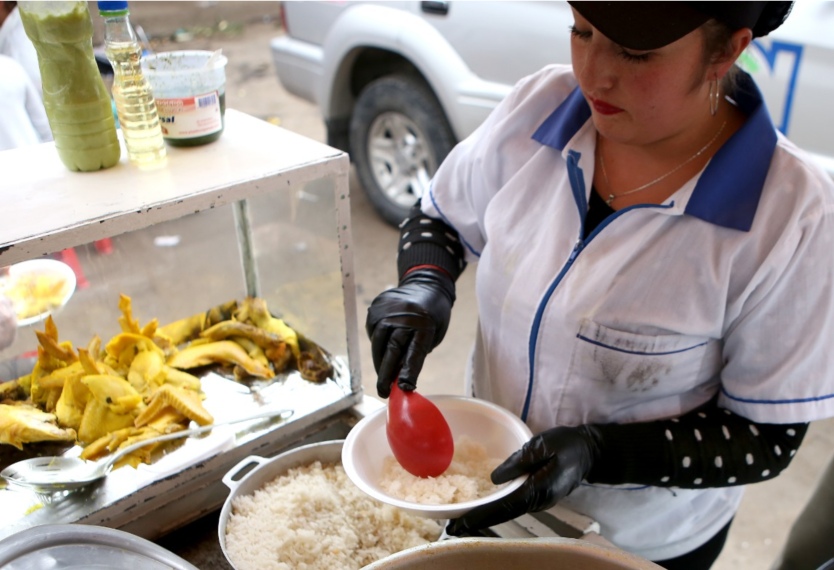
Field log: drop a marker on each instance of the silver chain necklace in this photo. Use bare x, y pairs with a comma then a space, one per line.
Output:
612, 197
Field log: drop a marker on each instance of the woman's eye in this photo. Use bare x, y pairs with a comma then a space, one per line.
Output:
634, 57
581, 34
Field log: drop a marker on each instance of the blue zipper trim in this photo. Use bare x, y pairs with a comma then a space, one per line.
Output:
577, 182
638, 352
776, 402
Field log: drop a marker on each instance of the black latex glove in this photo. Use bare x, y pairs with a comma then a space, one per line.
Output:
406, 323
557, 461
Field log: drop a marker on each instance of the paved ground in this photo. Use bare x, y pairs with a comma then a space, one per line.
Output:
243, 31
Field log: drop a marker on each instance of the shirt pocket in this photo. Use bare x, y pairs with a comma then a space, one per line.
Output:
618, 369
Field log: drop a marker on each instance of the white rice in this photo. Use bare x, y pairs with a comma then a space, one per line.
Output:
466, 479
314, 517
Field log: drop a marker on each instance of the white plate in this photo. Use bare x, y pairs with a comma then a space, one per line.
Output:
499, 431
38, 287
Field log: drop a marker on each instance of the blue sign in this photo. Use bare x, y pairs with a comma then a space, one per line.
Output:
775, 66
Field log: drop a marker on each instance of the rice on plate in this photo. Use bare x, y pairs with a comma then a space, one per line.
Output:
313, 517
466, 479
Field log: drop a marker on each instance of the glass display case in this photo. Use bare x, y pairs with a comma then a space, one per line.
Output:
262, 212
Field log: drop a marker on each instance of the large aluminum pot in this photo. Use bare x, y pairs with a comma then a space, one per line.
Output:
517, 554
268, 469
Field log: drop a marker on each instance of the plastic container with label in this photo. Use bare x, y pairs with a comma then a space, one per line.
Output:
190, 91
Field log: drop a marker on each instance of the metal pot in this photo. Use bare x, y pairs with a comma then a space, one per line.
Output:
518, 554
268, 469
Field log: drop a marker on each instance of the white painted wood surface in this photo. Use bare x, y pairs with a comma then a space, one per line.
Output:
45, 208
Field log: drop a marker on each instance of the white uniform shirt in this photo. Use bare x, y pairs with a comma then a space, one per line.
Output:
16, 44
23, 120
724, 288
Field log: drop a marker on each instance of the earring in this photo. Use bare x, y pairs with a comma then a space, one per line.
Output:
714, 96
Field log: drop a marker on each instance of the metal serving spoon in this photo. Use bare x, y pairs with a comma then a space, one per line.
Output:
51, 474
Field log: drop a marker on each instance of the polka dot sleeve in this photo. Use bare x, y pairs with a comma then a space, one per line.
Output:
708, 447
429, 241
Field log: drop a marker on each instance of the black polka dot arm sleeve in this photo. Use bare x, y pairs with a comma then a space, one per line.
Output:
429, 241
709, 447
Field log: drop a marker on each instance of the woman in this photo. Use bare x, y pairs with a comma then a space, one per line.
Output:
654, 278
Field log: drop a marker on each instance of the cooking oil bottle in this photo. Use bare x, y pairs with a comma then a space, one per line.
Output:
135, 105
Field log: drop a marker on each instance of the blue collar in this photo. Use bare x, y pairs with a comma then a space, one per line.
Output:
728, 192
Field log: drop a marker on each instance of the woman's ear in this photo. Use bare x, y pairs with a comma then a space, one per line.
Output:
738, 43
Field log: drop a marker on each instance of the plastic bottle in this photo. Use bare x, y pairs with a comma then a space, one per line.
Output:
135, 104
76, 99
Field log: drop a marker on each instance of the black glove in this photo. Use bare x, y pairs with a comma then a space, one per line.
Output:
406, 323
557, 461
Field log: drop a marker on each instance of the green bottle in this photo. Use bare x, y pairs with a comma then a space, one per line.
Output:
76, 99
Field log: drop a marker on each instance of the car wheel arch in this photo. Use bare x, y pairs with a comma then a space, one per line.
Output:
404, 42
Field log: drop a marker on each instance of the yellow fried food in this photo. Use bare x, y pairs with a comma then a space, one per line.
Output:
12, 390
114, 392
70, 406
126, 321
89, 363
36, 293
146, 372
264, 346
122, 348
187, 402
181, 378
27, 424
59, 376
226, 329
106, 444
61, 352
221, 351
252, 349
255, 310
99, 420
183, 330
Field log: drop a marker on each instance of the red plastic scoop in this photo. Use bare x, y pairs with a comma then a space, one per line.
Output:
418, 434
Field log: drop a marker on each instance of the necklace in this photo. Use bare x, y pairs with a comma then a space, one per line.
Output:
612, 197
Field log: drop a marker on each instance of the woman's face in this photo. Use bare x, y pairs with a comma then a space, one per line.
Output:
640, 97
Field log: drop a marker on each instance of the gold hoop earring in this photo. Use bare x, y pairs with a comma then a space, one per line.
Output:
714, 96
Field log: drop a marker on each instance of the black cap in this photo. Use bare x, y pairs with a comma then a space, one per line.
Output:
652, 25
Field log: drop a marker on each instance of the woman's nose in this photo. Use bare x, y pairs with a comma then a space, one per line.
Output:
594, 68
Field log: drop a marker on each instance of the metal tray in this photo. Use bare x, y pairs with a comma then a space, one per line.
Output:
185, 483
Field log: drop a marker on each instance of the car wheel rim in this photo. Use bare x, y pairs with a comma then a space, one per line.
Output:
400, 160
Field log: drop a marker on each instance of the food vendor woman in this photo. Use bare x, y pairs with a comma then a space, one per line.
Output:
654, 278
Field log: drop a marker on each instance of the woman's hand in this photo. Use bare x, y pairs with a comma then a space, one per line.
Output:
406, 323
557, 460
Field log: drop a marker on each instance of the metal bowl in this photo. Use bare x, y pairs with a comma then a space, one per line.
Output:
518, 554
265, 471
82, 546
499, 431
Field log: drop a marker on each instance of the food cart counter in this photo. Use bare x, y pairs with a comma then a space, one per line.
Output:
262, 212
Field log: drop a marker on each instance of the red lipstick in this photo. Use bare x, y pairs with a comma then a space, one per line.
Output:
604, 108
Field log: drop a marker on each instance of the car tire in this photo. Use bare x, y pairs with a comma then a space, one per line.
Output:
399, 135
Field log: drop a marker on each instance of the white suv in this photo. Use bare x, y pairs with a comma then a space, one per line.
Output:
399, 83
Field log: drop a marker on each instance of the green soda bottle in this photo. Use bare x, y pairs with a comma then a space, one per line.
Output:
76, 99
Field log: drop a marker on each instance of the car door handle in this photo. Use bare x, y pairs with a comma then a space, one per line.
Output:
439, 8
